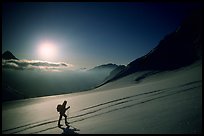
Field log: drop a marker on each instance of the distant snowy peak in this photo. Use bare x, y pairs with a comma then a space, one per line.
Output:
115, 72
8, 55
176, 50
104, 66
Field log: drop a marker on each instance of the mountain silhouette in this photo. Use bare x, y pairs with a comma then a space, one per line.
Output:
8, 55
178, 49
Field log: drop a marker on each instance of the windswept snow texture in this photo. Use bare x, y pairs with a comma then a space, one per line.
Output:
165, 102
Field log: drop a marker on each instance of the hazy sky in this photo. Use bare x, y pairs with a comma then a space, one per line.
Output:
88, 34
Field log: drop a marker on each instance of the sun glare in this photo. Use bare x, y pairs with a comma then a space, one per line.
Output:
47, 50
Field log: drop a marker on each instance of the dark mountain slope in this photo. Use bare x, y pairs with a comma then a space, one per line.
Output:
176, 50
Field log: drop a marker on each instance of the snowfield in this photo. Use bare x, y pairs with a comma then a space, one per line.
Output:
160, 103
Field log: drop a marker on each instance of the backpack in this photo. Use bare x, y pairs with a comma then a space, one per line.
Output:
59, 107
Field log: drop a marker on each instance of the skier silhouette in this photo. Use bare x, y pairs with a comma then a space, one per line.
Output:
62, 109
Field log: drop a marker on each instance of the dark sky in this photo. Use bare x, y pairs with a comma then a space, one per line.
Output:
89, 34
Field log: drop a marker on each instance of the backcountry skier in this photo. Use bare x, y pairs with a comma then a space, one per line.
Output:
62, 109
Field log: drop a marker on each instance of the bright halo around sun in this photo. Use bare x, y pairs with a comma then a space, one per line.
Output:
47, 50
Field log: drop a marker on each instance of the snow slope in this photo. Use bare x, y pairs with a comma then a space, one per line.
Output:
165, 102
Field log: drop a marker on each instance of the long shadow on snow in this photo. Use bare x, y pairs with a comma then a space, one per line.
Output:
68, 130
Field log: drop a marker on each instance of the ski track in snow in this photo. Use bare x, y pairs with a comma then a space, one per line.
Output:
106, 107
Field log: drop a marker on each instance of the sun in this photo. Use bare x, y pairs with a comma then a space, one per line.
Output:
47, 50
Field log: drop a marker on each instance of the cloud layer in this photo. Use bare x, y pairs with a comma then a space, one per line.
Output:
34, 65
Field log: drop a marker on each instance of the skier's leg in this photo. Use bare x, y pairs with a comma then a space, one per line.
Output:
65, 116
59, 120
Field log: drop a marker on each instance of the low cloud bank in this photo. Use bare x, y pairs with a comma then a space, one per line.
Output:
34, 65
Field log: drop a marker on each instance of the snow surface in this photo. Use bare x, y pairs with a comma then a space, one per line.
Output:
161, 103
